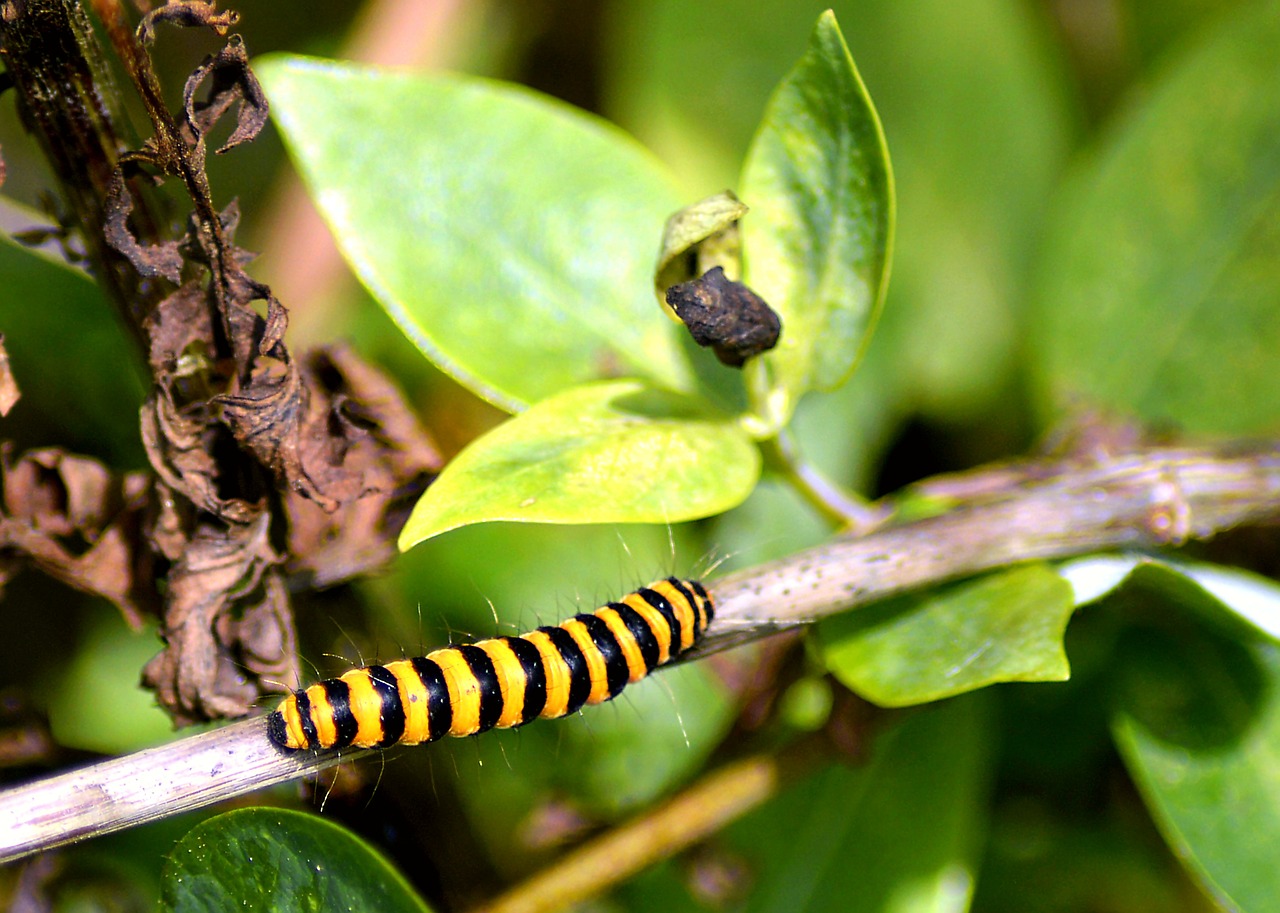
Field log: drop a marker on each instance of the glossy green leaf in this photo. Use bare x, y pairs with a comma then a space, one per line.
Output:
616, 452
1162, 266
1004, 627
1198, 723
81, 389
817, 242
270, 860
510, 236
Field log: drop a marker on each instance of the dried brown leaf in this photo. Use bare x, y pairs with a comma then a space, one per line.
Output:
227, 625
149, 260
232, 83
71, 518
186, 14
364, 448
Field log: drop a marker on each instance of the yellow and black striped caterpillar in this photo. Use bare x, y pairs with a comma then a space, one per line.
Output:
498, 683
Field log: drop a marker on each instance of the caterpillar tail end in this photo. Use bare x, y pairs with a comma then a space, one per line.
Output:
278, 731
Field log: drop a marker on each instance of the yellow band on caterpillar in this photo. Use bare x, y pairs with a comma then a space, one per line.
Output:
498, 683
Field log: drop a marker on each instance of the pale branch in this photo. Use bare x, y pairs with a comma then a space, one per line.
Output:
1145, 499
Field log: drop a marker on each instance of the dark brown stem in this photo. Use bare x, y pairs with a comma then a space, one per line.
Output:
66, 97
174, 155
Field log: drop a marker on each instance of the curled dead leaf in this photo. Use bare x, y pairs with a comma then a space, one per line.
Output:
74, 520
364, 447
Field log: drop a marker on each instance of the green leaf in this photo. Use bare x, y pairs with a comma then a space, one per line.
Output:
1162, 268
1198, 724
900, 834
1225, 595
706, 233
615, 452
1003, 627
817, 242
979, 117
510, 236
80, 388
272, 860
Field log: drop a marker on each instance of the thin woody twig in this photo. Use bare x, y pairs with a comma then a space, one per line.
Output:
661, 833
1145, 499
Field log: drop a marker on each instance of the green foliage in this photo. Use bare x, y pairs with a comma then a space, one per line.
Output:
518, 281
1163, 258
64, 385
1197, 718
534, 275
274, 860
900, 832
817, 177
654, 456
1178, 190
1004, 627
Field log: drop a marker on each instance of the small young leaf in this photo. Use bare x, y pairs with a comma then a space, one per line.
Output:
275, 861
614, 452
511, 237
1004, 627
699, 237
817, 242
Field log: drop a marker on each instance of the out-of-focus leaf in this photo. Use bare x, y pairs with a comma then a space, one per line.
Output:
1162, 265
817, 243
1198, 723
273, 860
899, 835
1236, 594
1003, 627
79, 386
95, 701
616, 452
511, 237
607, 761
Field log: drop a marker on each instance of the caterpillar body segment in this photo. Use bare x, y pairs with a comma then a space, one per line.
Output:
498, 683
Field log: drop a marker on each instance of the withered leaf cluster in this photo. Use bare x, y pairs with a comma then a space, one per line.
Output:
269, 472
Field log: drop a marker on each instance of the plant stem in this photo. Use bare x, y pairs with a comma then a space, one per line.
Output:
1145, 499
845, 511
65, 96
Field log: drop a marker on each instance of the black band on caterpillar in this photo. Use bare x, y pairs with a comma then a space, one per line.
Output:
498, 683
